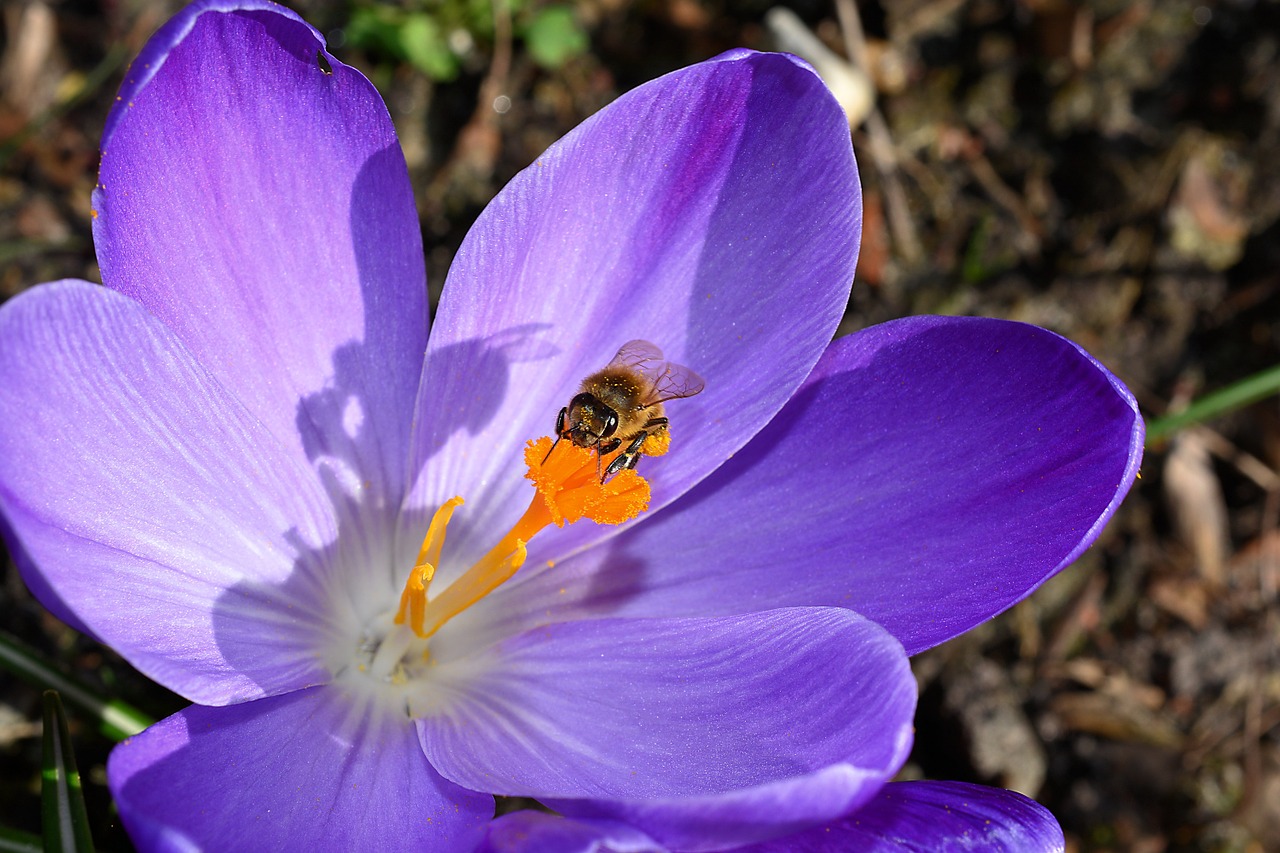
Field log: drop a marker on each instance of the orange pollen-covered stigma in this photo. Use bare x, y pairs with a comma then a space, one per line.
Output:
567, 487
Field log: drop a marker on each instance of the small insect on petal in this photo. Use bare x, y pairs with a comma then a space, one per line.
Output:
620, 407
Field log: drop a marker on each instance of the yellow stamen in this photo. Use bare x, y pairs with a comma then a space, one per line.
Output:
478, 581
433, 542
414, 598
568, 489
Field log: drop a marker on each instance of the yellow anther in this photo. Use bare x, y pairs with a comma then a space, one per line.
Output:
413, 600
433, 542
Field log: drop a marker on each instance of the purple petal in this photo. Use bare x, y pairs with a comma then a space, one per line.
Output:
170, 522
714, 211
313, 770
36, 582
253, 196
934, 817
696, 731
932, 472
539, 832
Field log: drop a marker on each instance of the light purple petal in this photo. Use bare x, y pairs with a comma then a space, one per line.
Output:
539, 832
932, 472
170, 522
36, 582
714, 211
696, 731
934, 817
313, 770
253, 196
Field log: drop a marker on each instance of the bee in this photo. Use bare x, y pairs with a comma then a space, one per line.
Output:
621, 404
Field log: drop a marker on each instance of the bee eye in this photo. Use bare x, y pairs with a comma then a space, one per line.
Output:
610, 424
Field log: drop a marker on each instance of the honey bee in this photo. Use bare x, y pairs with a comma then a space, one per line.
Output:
622, 404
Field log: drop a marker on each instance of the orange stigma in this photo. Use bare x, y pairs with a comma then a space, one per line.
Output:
568, 489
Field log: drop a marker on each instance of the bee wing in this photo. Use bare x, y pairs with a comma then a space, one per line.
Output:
641, 355
675, 382
668, 381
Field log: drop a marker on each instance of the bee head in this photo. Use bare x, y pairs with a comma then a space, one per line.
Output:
589, 420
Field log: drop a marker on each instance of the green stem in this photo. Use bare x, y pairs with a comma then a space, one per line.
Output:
1235, 396
65, 823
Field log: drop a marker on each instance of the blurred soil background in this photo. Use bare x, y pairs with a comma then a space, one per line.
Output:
1107, 169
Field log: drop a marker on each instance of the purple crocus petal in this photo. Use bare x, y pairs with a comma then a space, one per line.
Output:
931, 472
131, 477
253, 196
313, 770
36, 582
700, 732
714, 211
934, 817
539, 832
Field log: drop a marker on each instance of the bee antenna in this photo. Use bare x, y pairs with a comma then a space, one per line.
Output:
553, 447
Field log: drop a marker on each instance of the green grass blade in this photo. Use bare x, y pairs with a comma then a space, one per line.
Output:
1234, 396
17, 841
65, 822
117, 720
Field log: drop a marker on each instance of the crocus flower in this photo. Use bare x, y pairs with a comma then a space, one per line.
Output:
239, 463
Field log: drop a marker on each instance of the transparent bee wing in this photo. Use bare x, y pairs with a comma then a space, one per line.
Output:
641, 355
668, 381
676, 382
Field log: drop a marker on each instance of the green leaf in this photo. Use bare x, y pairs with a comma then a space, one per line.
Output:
375, 29
554, 37
117, 720
414, 37
426, 47
1234, 396
65, 821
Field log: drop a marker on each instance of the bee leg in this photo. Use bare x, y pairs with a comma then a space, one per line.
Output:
604, 448
564, 413
623, 462
655, 424
627, 458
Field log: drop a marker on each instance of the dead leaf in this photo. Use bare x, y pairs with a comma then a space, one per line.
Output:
1199, 511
